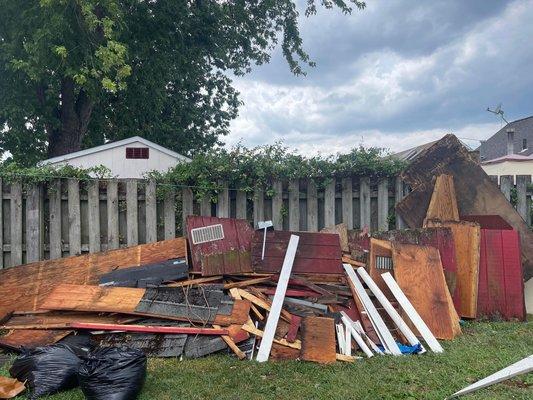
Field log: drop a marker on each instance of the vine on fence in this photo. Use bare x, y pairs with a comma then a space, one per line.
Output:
240, 167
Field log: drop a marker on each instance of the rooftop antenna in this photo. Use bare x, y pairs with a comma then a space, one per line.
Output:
498, 111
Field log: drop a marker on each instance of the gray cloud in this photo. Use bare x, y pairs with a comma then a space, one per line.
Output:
398, 74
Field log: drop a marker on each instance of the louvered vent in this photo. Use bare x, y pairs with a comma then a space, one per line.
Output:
207, 234
383, 262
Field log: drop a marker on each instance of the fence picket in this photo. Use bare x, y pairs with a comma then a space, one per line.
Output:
54, 201
113, 238
33, 223
329, 204
312, 206
364, 202
294, 205
277, 203
223, 201
74, 217
259, 206
187, 206
1, 224
347, 202
205, 205
398, 196
383, 205
170, 214
93, 201
151, 211
132, 212
240, 205
506, 182
522, 182
16, 223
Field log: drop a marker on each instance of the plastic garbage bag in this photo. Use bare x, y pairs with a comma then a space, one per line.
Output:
112, 373
47, 370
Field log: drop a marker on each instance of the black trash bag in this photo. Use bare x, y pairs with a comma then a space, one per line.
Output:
47, 369
112, 373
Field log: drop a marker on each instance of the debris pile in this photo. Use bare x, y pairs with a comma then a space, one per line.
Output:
275, 295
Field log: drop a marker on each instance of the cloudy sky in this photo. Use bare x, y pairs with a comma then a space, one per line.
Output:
395, 75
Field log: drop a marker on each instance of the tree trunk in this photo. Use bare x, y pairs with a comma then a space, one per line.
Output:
74, 114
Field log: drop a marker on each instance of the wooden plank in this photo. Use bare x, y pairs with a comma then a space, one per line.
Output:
31, 338
312, 206
231, 344
1, 224
223, 201
187, 206
329, 204
277, 302
318, 340
16, 223
389, 308
112, 215
249, 327
54, 196
93, 199
383, 205
74, 217
149, 329
521, 367
443, 203
33, 224
364, 203
347, 202
241, 205
132, 212
466, 239
398, 196
277, 203
522, 206
381, 329
294, 205
205, 205
151, 211
27, 294
413, 315
259, 206
418, 271
349, 324
169, 211
506, 183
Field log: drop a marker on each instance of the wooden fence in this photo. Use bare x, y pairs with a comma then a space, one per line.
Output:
69, 217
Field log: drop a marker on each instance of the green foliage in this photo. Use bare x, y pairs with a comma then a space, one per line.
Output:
246, 169
80, 72
13, 172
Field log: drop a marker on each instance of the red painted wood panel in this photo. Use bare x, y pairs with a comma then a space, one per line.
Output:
230, 255
318, 253
488, 221
501, 284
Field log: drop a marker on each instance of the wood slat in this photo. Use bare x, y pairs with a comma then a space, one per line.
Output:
169, 213
364, 203
259, 206
132, 212
151, 211
522, 206
205, 205
113, 239
187, 205
277, 203
312, 206
54, 196
241, 205
329, 204
223, 201
93, 199
33, 224
294, 205
398, 196
506, 183
74, 217
16, 223
383, 205
347, 202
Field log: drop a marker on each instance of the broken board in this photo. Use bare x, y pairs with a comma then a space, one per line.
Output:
466, 238
25, 287
318, 340
317, 253
31, 338
443, 203
227, 253
418, 272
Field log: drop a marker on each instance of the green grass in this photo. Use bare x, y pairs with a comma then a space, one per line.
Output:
483, 348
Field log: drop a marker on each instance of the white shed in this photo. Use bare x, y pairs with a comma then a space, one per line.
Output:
128, 158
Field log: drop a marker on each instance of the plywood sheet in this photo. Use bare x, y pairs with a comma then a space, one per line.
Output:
230, 255
26, 286
418, 272
342, 231
380, 250
53, 318
317, 253
31, 338
466, 238
501, 284
443, 203
318, 339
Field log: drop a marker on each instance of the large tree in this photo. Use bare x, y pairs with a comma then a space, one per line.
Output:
75, 73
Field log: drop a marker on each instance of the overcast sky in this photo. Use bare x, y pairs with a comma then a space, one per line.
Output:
397, 74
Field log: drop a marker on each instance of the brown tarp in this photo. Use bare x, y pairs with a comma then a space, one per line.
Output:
476, 193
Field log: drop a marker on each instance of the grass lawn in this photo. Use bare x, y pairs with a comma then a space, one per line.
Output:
483, 349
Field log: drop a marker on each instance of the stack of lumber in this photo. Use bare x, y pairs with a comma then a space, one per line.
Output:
304, 298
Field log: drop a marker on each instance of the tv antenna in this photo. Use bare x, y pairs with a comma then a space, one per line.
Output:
498, 111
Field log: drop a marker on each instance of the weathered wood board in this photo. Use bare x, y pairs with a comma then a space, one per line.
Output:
443, 203
30, 338
230, 255
317, 253
26, 286
418, 272
318, 340
380, 250
466, 239
476, 193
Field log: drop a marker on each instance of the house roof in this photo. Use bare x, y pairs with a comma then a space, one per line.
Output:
111, 145
496, 145
510, 157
